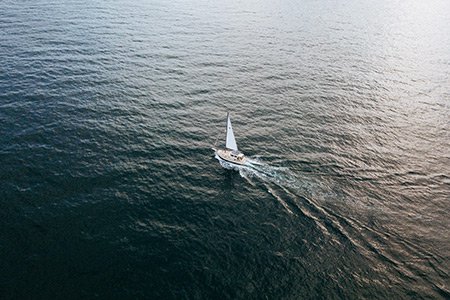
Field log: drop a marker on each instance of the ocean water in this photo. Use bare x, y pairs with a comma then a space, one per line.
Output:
109, 188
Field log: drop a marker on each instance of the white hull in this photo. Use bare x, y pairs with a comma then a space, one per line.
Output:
231, 156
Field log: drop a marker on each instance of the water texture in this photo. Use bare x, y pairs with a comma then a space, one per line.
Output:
109, 188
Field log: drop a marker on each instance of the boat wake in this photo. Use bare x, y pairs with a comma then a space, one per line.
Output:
309, 197
267, 175
256, 168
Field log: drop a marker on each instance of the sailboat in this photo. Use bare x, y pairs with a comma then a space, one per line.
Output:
230, 153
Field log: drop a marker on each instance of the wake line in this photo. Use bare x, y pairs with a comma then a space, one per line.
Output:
368, 241
256, 168
267, 174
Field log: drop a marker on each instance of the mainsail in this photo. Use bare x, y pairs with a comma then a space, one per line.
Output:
230, 141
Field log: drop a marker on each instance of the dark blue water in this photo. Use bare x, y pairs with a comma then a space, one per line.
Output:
109, 188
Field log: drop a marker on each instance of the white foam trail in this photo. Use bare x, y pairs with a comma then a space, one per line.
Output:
254, 167
279, 175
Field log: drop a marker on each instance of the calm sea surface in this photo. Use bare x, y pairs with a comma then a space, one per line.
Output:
109, 188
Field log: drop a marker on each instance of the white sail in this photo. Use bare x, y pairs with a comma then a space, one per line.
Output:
230, 141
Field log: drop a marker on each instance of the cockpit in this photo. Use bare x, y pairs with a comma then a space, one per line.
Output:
237, 155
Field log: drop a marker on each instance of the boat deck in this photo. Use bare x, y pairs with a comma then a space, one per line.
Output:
231, 156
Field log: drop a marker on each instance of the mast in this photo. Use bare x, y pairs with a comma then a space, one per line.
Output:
226, 126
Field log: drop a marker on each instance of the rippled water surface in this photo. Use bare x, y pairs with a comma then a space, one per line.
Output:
109, 187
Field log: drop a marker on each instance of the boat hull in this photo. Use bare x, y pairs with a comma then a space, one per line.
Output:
227, 156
